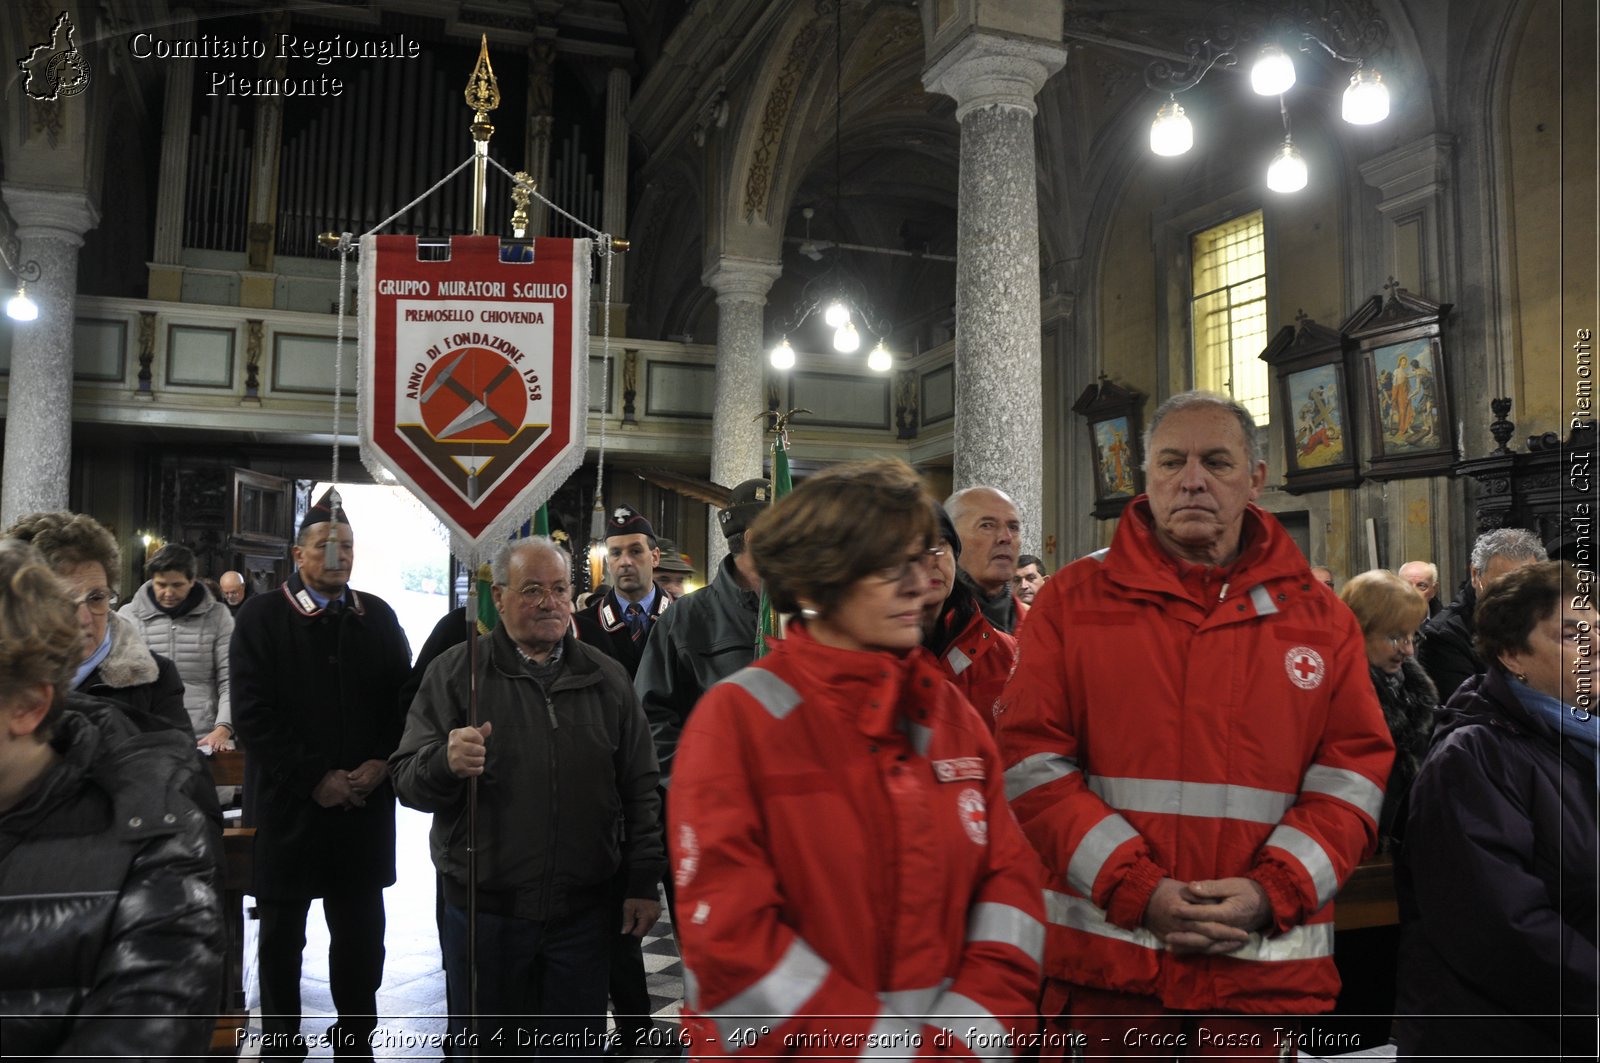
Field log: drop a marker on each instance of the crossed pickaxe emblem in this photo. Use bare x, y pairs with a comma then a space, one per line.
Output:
478, 410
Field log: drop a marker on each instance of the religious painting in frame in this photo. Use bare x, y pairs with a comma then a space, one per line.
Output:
1115, 445
1312, 407
1405, 385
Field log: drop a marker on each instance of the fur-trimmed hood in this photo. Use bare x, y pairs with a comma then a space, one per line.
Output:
130, 662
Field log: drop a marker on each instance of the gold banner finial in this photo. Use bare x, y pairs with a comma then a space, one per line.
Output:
521, 194
483, 90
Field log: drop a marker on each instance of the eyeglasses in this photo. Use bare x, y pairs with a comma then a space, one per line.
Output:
1412, 639
921, 560
535, 595
99, 602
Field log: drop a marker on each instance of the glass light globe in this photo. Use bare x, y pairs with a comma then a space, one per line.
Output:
1287, 172
1367, 99
20, 308
880, 361
846, 340
836, 314
1171, 133
782, 355
1273, 73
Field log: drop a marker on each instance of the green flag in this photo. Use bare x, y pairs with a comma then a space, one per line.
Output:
781, 485
488, 615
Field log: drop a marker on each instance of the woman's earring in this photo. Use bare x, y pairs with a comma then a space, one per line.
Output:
809, 612
1521, 677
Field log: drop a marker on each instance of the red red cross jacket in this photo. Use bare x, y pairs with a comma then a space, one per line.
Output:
979, 661
1218, 725
849, 877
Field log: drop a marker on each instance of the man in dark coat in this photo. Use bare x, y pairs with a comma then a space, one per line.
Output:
1446, 652
706, 636
317, 670
619, 623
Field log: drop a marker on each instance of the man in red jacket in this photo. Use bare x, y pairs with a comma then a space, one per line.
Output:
1194, 747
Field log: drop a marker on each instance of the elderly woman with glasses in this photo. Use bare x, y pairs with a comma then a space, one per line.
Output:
1497, 881
850, 880
116, 664
1390, 610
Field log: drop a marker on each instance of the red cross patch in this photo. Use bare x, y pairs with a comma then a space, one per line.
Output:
1305, 667
974, 815
688, 856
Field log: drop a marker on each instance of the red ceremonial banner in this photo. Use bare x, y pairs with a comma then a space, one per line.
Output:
474, 381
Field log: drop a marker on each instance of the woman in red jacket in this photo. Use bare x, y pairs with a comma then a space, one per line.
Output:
850, 878
974, 654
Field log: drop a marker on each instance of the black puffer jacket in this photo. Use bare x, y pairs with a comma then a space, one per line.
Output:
110, 916
1496, 883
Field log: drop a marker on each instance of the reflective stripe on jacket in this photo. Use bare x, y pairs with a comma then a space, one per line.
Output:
847, 869
1153, 731
979, 661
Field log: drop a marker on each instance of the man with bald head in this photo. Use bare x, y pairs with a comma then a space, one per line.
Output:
234, 590
991, 538
1424, 576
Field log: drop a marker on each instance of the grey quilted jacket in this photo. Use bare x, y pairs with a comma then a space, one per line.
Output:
197, 642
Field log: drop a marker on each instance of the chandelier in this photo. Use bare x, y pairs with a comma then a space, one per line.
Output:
1355, 36
835, 293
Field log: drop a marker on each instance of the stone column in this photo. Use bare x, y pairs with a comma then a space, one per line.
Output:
999, 401
38, 446
737, 436
614, 210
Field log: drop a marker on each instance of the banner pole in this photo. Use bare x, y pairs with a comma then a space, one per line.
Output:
472, 806
483, 96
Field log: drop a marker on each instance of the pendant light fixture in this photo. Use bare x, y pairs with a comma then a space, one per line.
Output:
1171, 133
1367, 99
1273, 72
835, 294
20, 307
1287, 170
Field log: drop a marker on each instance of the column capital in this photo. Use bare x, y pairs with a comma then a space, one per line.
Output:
987, 70
1410, 172
49, 213
742, 280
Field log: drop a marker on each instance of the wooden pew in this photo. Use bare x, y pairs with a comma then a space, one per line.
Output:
1367, 898
238, 850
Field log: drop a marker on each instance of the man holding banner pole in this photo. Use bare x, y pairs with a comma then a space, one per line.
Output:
566, 778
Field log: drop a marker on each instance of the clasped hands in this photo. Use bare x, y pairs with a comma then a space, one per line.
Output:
1212, 917
349, 789
466, 749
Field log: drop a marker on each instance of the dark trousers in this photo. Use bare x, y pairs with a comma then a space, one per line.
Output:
630, 999
541, 982
355, 970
